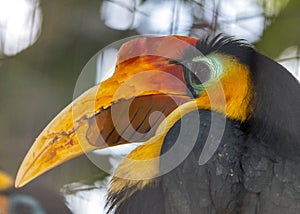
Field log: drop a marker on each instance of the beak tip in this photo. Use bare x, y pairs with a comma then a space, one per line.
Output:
18, 181
21, 178
17, 185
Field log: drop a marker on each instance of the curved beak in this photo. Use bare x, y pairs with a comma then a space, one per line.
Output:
128, 107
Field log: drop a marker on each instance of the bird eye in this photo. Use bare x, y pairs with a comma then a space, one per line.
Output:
200, 72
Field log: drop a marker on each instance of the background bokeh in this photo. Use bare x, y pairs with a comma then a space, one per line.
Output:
45, 44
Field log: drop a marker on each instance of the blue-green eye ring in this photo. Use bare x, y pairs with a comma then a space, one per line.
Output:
213, 63
202, 71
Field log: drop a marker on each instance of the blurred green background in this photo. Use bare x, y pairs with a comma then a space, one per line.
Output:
37, 81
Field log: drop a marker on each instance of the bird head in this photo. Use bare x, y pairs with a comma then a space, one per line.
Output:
156, 81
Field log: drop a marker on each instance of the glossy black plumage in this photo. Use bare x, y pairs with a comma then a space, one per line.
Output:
245, 175
256, 168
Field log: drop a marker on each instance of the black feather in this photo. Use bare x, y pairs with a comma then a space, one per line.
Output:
276, 117
238, 48
243, 176
148, 200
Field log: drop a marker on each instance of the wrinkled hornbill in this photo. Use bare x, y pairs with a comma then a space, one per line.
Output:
226, 139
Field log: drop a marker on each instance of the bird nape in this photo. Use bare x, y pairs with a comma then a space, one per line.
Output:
220, 123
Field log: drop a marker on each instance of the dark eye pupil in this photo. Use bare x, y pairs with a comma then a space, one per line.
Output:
201, 72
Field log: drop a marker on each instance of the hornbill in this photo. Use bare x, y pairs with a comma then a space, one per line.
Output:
220, 122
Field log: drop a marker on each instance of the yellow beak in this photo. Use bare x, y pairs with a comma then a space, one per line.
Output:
122, 109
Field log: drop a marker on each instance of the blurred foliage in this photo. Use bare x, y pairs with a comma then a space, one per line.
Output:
283, 32
273, 7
